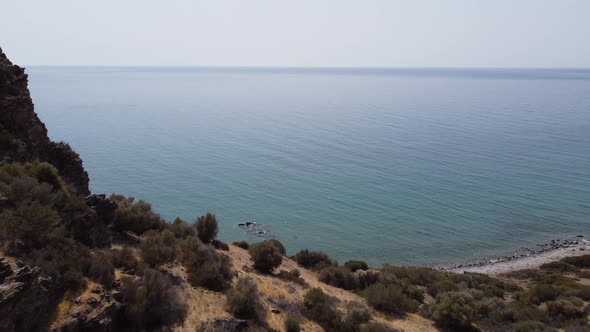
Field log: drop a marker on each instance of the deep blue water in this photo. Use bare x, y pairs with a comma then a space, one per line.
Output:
402, 166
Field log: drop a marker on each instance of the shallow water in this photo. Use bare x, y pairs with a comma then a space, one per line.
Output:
401, 166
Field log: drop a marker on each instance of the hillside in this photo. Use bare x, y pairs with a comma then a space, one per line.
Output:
75, 261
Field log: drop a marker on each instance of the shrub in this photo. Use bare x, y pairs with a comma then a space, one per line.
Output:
280, 247
45, 172
356, 265
124, 258
205, 267
582, 262
389, 298
159, 248
529, 326
320, 308
31, 222
182, 229
375, 327
266, 256
153, 304
441, 286
207, 227
453, 309
293, 276
220, 245
577, 327
136, 217
244, 302
357, 314
341, 278
559, 267
421, 276
101, 270
566, 308
313, 260
292, 324
242, 244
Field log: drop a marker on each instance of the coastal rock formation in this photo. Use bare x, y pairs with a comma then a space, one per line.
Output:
23, 137
26, 300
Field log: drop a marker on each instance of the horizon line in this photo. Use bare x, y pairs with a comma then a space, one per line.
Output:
310, 67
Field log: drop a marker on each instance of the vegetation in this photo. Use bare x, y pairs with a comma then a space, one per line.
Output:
266, 256
205, 267
354, 266
390, 299
454, 310
207, 227
293, 276
292, 324
315, 260
136, 217
244, 302
320, 308
182, 229
153, 304
158, 248
242, 244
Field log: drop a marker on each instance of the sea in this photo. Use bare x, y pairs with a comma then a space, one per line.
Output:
402, 166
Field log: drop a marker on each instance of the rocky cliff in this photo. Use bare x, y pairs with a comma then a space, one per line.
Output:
23, 137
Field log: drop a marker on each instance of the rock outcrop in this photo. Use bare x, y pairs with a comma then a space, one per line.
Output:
25, 300
23, 137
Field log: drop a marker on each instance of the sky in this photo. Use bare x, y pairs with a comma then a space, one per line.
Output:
302, 33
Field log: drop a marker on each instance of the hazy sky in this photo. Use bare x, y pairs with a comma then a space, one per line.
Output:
372, 33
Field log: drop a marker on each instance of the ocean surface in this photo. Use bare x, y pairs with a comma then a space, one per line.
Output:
413, 167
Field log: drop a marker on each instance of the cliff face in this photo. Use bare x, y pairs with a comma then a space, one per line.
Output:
23, 137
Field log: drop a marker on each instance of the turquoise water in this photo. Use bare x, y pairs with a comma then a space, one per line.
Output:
401, 166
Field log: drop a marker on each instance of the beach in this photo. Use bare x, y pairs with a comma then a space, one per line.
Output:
525, 258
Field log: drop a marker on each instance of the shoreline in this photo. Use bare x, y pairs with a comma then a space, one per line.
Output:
525, 258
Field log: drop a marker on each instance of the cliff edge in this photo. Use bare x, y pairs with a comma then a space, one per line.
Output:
23, 137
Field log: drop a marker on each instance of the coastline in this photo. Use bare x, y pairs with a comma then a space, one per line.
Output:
525, 258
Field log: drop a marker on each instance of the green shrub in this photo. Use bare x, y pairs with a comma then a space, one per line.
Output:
266, 256
207, 227
158, 248
356, 314
280, 247
453, 310
31, 223
566, 308
320, 308
577, 327
375, 327
559, 267
582, 262
292, 324
124, 258
220, 245
530, 326
153, 304
389, 298
356, 265
421, 276
242, 244
338, 277
182, 229
45, 172
205, 267
244, 302
441, 286
101, 270
313, 260
293, 276
136, 217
